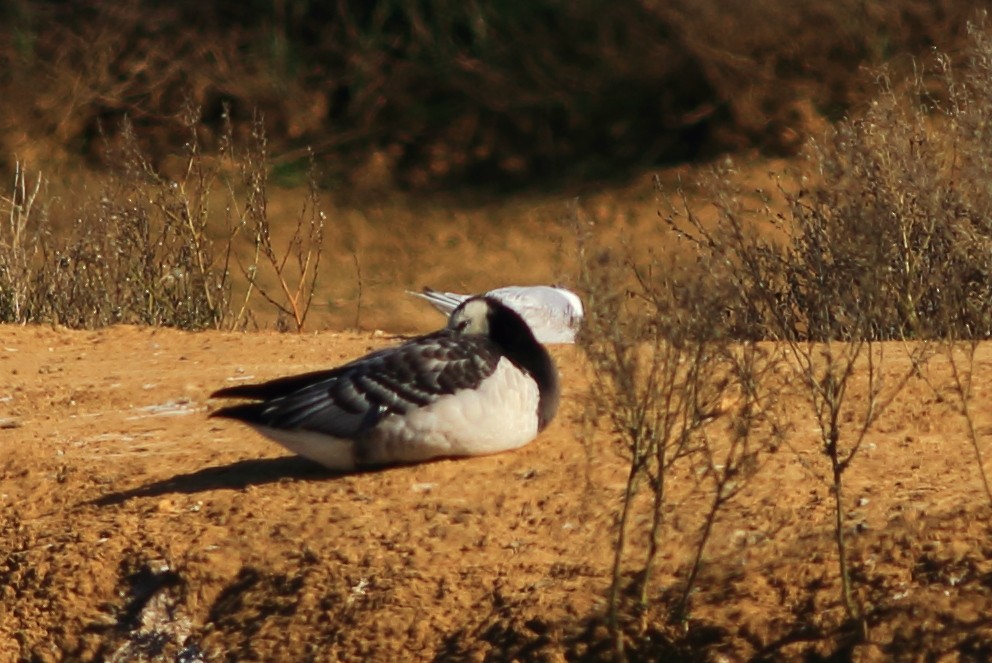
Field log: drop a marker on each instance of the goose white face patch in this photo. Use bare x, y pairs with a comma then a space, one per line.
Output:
471, 318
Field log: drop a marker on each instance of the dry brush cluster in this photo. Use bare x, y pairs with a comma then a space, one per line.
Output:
146, 248
880, 243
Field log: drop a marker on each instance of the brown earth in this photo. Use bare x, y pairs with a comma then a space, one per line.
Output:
133, 528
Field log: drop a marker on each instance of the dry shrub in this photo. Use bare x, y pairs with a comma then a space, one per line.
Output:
136, 252
139, 249
294, 270
681, 398
19, 245
884, 236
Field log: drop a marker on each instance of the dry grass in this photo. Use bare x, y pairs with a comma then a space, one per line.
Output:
142, 249
884, 236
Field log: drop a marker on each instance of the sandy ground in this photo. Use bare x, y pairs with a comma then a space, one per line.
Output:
133, 528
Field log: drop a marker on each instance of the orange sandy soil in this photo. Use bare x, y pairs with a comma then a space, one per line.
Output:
132, 528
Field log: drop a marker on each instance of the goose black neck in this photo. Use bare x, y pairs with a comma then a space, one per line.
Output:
516, 341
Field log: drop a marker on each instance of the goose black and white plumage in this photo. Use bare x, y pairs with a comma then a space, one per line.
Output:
553, 313
481, 385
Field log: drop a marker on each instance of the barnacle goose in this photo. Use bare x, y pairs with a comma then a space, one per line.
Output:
553, 313
481, 385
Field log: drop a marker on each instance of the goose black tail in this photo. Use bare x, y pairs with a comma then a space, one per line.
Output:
250, 413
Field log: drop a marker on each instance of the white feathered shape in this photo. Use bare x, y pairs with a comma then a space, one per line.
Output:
553, 313
481, 385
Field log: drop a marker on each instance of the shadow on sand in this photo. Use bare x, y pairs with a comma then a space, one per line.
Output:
233, 476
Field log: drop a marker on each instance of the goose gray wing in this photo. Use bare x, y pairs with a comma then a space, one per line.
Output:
351, 399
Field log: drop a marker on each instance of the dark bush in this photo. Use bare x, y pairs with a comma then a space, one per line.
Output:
452, 92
